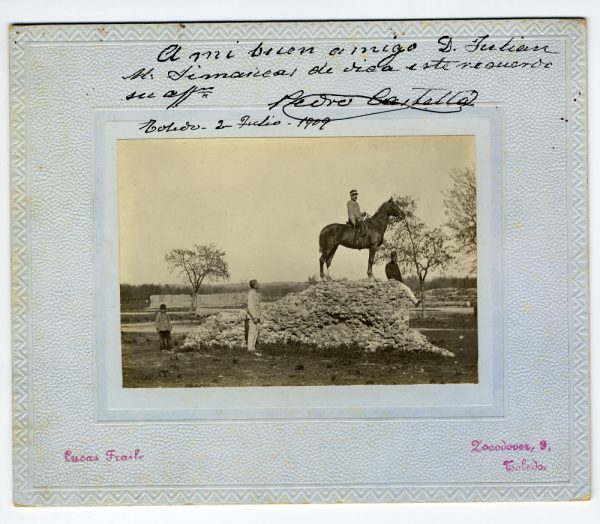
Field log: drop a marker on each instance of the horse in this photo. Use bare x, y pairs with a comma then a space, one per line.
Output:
334, 235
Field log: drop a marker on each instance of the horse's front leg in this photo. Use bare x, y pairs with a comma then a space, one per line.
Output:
372, 252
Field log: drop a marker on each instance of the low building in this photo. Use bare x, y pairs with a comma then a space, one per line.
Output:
171, 301
213, 303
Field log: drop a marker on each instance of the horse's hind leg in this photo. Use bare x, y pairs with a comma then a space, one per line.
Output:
323, 259
330, 258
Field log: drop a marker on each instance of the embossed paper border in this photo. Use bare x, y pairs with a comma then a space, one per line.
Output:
578, 275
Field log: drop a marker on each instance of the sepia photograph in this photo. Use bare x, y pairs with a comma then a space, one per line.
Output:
298, 261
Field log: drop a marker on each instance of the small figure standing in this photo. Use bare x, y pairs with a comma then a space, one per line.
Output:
392, 272
163, 328
253, 317
355, 216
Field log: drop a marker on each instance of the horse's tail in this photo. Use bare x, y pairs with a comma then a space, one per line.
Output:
322, 238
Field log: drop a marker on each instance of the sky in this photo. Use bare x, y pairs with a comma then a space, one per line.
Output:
265, 200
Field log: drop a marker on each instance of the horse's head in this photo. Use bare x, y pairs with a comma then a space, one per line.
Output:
394, 209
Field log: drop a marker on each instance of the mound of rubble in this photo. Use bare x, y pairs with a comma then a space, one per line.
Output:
366, 313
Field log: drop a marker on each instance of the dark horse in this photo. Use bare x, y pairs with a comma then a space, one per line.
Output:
334, 235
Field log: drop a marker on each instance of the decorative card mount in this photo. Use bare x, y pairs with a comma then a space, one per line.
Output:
131, 141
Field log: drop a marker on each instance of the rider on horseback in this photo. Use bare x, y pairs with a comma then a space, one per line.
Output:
355, 218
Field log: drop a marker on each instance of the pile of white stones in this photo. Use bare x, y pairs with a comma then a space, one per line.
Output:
366, 313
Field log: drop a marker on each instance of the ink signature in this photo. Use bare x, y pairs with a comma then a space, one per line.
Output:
302, 106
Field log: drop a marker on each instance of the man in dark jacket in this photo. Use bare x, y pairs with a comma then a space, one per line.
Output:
392, 272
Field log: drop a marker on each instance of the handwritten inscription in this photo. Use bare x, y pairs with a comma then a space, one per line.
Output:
512, 45
178, 96
428, 99
110, 455
311, 109
195, 73
153, 126
512, 464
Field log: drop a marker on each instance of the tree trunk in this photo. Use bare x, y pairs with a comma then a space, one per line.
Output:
422, 300
194, 301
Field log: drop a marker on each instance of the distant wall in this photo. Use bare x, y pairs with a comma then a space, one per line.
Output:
451, 296
171, 301
210, 304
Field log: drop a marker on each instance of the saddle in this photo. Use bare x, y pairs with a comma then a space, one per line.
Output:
362, 227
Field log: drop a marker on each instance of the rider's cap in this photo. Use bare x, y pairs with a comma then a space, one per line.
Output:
353, 192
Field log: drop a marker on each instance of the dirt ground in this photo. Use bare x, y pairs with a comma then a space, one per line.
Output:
145, 366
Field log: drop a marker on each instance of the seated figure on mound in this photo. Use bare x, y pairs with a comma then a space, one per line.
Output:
355, 218
392, 272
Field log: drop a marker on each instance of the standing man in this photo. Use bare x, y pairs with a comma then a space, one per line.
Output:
355, 217
392, 272
253, 317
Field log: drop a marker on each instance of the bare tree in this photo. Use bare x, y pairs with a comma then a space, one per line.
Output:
194, 266
461, 209
419, 248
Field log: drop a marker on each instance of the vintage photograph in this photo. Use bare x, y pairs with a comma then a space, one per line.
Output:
298, 261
